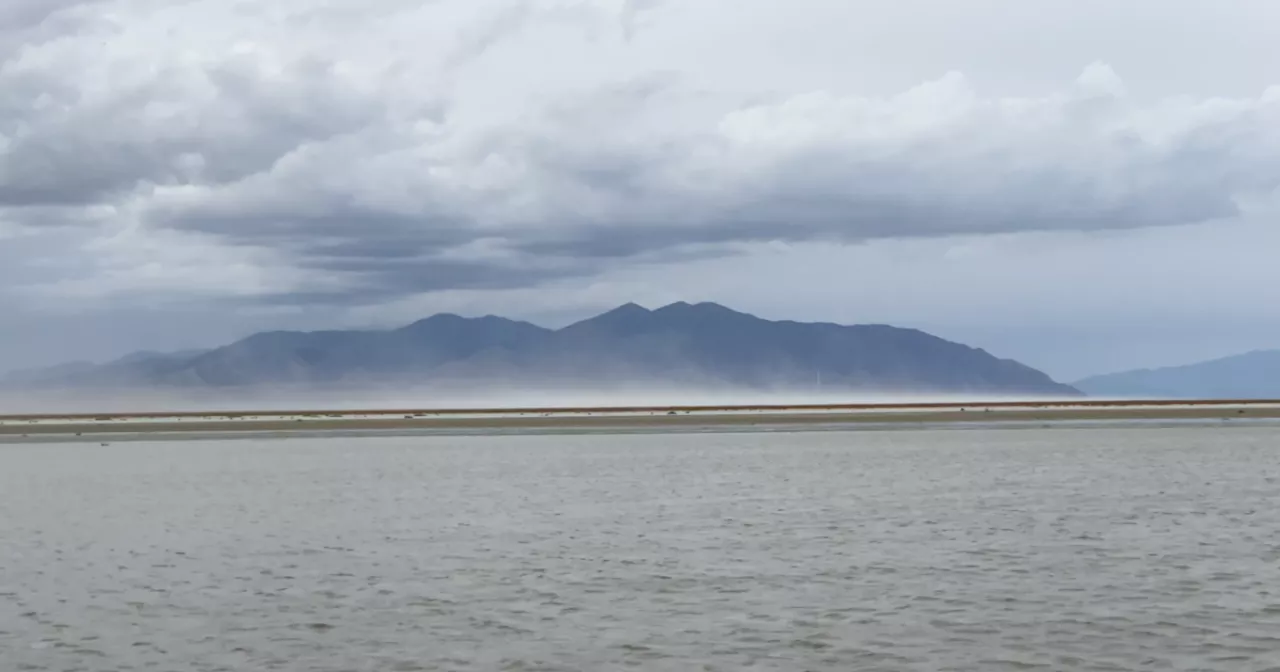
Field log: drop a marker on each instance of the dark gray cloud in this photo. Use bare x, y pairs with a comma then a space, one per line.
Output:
368, 282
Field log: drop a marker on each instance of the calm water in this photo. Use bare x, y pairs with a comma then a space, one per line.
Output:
1093, 549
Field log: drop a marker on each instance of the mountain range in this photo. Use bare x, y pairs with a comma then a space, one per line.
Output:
1253, 375
693, 345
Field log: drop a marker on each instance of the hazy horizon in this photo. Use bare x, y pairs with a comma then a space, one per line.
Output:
541, 397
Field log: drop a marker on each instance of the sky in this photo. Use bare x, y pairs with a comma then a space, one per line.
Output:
1083, 185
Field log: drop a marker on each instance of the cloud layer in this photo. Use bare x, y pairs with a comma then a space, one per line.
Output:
349, 172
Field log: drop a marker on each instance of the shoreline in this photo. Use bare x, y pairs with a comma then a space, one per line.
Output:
125, 426
659, 408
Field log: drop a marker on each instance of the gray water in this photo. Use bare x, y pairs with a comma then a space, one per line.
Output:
1088, 549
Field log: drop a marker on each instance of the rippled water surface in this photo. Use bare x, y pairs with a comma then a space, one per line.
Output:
1089, 549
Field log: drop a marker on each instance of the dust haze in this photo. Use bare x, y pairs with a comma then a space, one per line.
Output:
16, 402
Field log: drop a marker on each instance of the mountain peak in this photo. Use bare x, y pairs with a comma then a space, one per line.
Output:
628, 308
438, 318
703, 307
624, 317
702, 313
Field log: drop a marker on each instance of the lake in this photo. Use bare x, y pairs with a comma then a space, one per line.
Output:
1119, 548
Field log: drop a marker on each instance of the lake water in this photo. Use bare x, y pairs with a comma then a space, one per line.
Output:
1061, 549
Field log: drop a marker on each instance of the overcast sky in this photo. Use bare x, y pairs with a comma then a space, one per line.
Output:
1084, 185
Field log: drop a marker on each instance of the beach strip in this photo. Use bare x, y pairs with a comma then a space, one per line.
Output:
655, 418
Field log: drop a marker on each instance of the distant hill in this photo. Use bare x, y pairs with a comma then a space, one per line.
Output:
1254, 375
681, 344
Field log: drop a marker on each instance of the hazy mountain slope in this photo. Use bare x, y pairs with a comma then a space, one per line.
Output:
1254, 375
708, 342
136, 369
288, 357
704, 345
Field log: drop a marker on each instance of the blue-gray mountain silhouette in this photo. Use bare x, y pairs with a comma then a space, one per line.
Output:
686, 344
1253, 375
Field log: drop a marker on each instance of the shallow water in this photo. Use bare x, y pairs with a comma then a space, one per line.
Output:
1088, 549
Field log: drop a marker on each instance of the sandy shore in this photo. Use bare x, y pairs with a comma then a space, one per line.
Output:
658, 418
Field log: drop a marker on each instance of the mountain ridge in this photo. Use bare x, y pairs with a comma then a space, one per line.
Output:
1249, 375
688, 344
